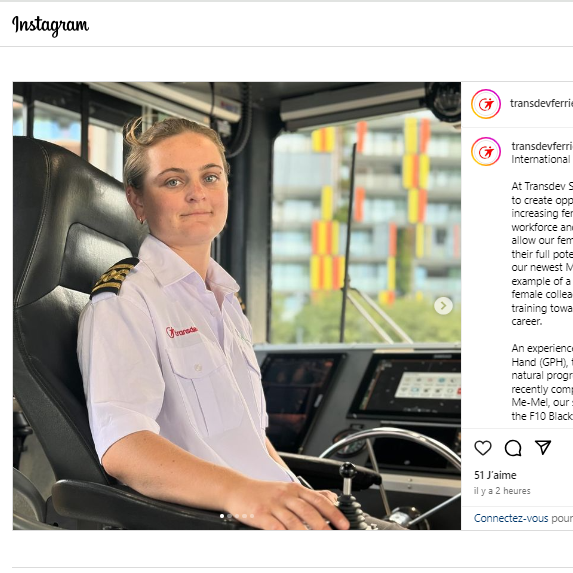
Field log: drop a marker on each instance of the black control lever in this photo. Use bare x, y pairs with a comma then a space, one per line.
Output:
347, 503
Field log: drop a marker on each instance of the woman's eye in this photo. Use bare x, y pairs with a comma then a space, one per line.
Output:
172, 183
211, 178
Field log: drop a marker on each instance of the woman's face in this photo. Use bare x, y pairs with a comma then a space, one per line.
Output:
184, 198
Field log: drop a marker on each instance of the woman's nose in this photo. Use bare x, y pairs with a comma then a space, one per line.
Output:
196, 191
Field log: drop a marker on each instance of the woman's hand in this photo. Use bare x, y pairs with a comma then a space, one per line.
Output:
280, 505
330, 495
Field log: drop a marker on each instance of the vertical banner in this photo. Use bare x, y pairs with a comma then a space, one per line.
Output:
359, 196
327, 203
391, 273
326, 266
415, 176
323, 140
361, 130
413, 206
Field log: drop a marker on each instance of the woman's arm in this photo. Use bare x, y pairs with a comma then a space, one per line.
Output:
331, 496
155, 467
274, 454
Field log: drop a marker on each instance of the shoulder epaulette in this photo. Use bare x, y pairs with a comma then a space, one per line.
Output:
112, 279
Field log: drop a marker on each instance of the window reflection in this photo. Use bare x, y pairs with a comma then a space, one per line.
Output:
57, 125
105, 148
17, 118
63, 127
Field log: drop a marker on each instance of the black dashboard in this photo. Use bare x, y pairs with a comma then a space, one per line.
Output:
318, 395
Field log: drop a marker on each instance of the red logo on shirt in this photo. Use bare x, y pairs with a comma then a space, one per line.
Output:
172, 333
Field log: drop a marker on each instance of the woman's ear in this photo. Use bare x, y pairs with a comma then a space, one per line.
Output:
135, 201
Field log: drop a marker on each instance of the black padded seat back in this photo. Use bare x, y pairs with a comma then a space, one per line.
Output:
71, 223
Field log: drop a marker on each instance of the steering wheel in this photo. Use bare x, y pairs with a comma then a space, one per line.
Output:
401, 518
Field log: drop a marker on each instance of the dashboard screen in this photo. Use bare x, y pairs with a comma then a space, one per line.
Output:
294, 387
425, 386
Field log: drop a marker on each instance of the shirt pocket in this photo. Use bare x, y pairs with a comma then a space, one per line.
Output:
208, 386
256, 382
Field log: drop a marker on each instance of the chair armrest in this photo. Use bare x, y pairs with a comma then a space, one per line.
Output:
122, 507
325, 474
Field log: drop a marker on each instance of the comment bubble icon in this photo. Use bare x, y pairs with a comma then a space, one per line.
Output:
513, 448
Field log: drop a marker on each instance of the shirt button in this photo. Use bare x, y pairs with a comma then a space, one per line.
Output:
198, 367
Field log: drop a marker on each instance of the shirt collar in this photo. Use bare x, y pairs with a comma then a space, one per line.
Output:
169, 268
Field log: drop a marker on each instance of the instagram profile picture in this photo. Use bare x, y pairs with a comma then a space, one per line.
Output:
486, 104
486, 151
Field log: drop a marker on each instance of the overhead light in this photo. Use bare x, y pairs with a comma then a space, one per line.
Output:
171, 100
359, 102
224, 108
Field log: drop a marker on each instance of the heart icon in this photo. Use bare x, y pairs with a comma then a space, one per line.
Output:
483, 447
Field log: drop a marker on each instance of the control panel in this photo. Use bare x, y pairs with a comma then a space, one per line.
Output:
317, 396
424, 387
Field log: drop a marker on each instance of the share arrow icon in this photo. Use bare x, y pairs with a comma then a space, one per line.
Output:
543, 445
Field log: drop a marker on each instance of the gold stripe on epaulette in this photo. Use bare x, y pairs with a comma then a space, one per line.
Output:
115, 273
108, 284
124, 266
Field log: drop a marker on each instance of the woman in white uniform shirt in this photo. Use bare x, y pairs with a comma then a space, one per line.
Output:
172, 383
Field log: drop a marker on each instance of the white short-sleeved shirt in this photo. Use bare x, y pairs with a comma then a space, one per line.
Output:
168, 355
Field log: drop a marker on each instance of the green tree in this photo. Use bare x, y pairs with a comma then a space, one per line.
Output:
404, 255
319, 322
341, 214
282, 331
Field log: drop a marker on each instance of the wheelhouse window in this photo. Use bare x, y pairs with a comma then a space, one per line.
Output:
405, 232
105, 148
17, 118
58, 125
58, 111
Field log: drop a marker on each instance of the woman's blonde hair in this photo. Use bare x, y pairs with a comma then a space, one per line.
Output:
135, 167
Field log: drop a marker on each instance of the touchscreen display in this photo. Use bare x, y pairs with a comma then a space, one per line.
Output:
401, 386
428, 385
294, 387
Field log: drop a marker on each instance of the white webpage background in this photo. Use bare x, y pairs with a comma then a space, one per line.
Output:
469, 42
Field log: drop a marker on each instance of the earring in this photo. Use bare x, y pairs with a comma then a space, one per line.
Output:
141, 220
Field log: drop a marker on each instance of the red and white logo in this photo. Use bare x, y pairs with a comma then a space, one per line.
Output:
486, 104
172, 333
486, 151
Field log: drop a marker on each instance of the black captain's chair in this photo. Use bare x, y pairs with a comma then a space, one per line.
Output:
71, 223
